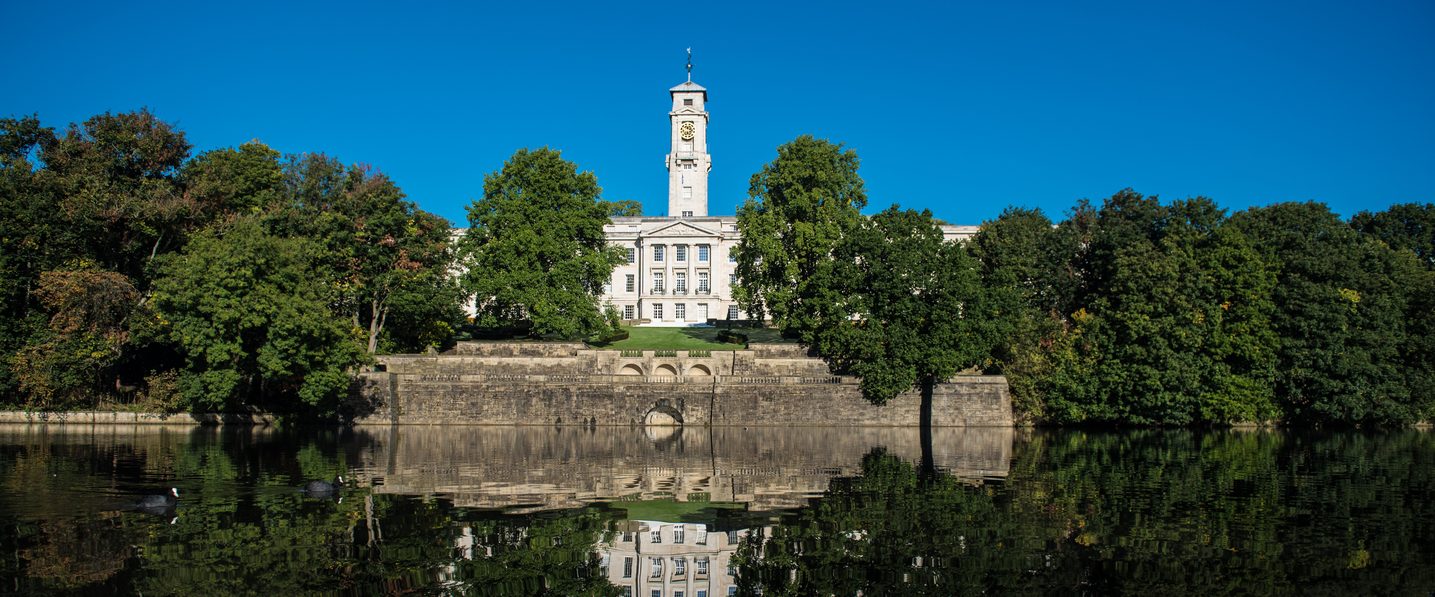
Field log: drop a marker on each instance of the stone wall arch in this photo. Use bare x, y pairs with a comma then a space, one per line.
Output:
699, 371
631, 369
666, 369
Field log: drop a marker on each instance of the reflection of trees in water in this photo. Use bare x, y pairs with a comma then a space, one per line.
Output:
1096, 513
1135, 512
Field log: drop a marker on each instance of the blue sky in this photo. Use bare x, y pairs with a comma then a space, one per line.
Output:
960, 107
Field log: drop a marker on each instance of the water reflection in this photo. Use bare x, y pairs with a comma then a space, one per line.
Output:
532, 468
523, 511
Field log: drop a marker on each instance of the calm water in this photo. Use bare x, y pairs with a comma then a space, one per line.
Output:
707, 513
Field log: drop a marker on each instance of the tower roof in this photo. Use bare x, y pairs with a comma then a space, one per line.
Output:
690, 87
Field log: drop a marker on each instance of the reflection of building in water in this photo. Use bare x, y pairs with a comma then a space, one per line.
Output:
669, 559
537, 468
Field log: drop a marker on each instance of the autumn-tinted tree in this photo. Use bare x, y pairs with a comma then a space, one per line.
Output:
799, 207
535, 250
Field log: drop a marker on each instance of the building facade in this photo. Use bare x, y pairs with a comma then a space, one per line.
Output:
681, 268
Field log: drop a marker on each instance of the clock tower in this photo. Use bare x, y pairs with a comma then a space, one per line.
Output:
688, 162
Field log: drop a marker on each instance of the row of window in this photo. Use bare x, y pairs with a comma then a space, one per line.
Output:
628, 592
680, 253
680, 283
680, 567
680, 313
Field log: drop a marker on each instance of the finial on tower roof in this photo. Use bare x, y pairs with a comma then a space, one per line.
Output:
690, 65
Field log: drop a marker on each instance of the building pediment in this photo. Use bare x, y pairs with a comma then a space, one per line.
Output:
680, 229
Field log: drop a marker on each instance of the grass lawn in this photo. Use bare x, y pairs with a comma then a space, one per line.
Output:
674, 511
656, 338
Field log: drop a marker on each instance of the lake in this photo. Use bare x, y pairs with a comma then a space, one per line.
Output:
708, 512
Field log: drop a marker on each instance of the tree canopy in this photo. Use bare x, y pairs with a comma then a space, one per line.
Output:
535, 251
799, 207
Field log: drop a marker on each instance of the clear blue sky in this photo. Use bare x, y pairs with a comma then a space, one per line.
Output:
960, 107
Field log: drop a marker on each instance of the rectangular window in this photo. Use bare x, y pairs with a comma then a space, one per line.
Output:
680, 566
687, 101
678, 530
732, 312
680, 282
702, 282
677, 594
702, 593
657, 314
658, 252
687, 214
731, 256
657, 282
703, 253
702, 566
632, 254
627, 314
629, 282
732, 279
682, 253
657, 592
687, 192
702, 536
680, 311
657, 568
628, 567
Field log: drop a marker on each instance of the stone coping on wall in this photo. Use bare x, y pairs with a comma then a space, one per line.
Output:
132, 418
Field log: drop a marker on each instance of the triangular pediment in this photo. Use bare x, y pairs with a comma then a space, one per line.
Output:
680, 229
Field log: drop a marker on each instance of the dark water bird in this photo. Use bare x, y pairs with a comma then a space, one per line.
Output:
161, 504
324, 487
162, 500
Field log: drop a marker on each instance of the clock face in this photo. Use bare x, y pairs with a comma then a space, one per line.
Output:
686, 131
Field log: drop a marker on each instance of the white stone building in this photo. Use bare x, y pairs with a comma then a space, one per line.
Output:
680, 268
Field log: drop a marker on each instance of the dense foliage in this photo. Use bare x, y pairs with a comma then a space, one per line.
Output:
135, 276
1148, 313
1131, 312
535, 251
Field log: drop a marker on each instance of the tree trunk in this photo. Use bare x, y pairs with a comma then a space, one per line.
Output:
928, 468
377, 313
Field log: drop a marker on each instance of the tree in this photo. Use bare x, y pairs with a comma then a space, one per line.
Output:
253, 322
229, 181
535, 250
799, 207
901, 309
1022, 264
1408, 226
1343, 315
115, 179
378, 245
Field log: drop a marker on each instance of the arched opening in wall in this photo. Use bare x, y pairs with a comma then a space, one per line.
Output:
630, 369
666, 370
663, 416
697, 370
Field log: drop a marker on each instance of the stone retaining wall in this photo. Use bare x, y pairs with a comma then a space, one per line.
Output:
437, 399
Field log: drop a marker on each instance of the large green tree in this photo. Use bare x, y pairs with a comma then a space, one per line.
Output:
250, 312
535, 250
799, 207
